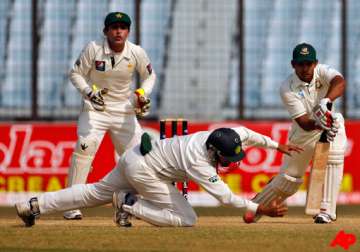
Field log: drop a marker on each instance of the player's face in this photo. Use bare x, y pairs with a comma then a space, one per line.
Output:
225, 166
117, 34
304, 70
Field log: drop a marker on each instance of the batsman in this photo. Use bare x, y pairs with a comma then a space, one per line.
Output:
308, 94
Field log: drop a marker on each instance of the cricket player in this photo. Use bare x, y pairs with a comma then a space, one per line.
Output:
142, 179
103, 75
305, 95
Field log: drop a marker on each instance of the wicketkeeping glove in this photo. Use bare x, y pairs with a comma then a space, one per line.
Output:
331, 134
322, 114
142, 103
96, 97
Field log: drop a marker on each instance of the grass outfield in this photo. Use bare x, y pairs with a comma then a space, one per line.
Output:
218, 229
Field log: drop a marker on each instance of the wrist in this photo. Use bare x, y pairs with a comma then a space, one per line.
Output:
252, 207
87, 92
325, 100
140, 92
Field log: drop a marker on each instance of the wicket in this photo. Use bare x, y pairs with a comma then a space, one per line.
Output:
174, 131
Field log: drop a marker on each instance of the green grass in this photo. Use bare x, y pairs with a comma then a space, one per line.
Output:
218, 229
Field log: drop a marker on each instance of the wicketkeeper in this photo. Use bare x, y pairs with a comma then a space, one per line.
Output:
305, 95
103, 75
142, 180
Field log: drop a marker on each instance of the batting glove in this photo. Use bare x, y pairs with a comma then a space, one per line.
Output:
96, 98
322, 115
331, 134
142, 103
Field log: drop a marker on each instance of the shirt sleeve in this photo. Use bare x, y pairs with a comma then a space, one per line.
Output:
252, 138
293, 104
144, 68
81, 68
206, 177
328, 73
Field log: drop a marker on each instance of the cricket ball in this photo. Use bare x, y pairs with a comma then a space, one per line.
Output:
249, 217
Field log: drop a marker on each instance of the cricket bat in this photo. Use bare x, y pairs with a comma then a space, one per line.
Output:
317, 174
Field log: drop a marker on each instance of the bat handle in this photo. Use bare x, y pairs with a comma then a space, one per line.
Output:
323, 138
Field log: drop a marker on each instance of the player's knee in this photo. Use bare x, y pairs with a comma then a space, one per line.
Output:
189, 219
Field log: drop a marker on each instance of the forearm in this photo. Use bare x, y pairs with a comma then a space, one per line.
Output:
309, 125
79, 82
148, 84
259, 140
225, 196
336, 89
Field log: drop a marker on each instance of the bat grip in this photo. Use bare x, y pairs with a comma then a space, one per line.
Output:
323, 138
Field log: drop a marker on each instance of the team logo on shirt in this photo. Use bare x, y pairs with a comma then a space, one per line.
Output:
301, 94
100, 65
214, 178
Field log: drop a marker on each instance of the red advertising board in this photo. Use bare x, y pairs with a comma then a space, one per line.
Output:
34, 157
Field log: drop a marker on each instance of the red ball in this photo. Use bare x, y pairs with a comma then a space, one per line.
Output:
249, 217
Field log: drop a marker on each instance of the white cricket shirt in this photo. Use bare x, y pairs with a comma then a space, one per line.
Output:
299, 98
99, 65
185, 157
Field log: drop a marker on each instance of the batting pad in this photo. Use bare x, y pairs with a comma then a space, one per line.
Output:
80, 168
333, 178
281, 186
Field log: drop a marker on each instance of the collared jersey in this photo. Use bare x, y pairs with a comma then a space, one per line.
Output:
186, 157
299, 97
99, 65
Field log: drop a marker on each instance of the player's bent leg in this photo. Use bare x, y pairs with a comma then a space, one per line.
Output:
81, 162
280, 187
159, 216
333, 178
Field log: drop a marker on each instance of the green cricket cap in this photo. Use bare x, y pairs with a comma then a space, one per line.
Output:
304, 52
117, 17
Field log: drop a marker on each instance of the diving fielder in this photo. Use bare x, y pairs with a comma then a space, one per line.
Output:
305, 94
103, 74
142, 180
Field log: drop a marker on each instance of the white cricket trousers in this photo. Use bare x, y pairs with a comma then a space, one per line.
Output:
159, 202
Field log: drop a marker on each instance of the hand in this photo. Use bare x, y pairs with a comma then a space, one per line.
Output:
277, 208
322, 114
96, 97
289, 148
331, 134
142, 103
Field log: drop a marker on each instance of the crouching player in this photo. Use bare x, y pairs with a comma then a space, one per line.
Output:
141, 183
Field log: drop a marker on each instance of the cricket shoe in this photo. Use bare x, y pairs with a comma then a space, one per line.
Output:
121, 217
322, 218
73, 215
27, 211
